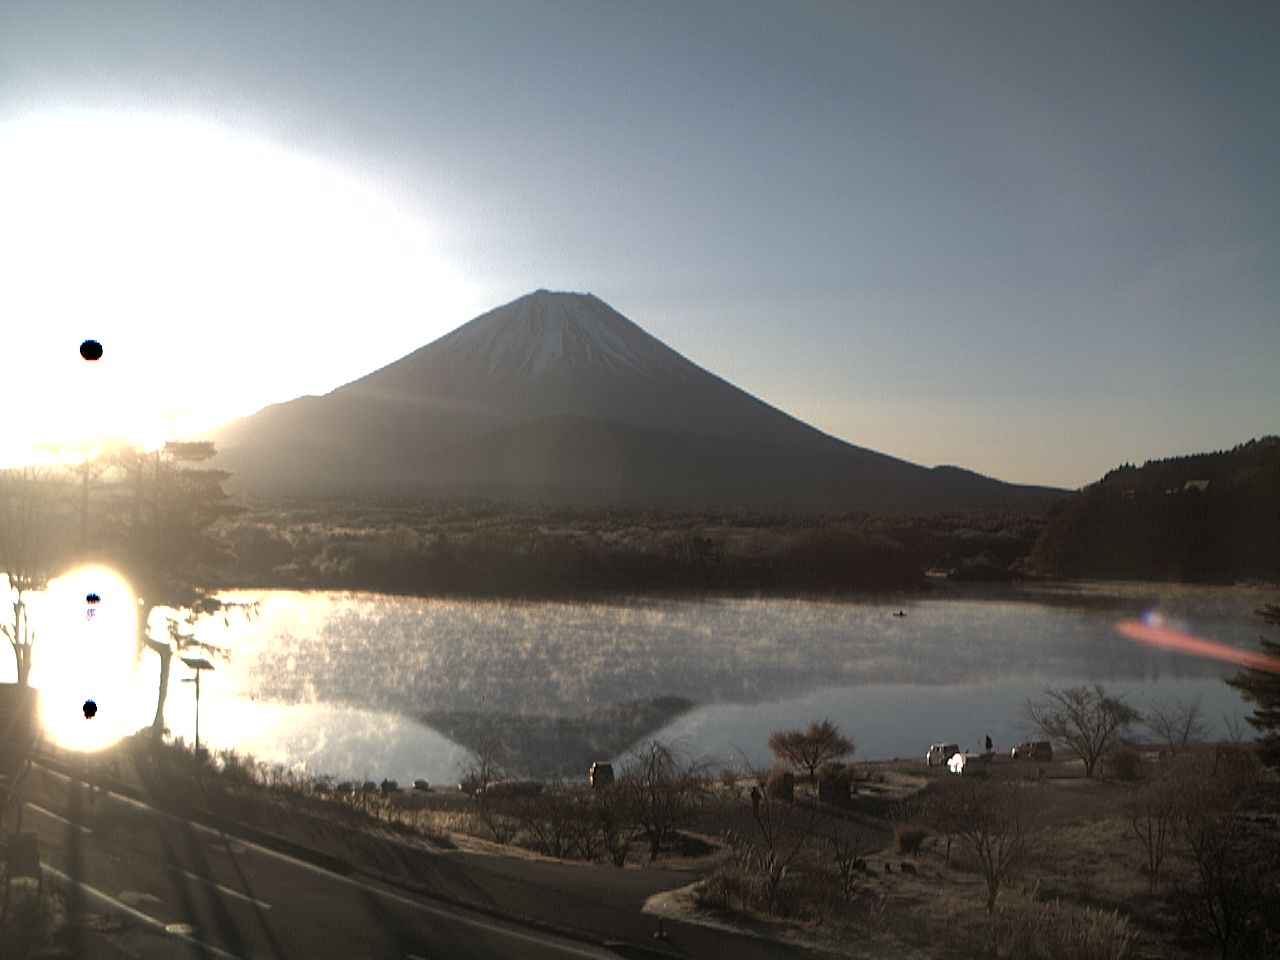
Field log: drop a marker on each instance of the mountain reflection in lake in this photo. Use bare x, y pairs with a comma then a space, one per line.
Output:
338, 682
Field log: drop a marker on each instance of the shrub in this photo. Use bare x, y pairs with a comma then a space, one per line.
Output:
833, 783
813, 895
559, 822
236, 767
910, 839
1121, 763
729, 888
781, 785
501, 826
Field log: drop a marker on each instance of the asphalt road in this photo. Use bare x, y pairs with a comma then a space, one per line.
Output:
189, 890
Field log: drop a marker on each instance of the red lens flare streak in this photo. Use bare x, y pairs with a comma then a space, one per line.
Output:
1166, 638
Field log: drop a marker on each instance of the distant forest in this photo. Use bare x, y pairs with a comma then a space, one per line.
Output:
164, 520
1209, 518
480, 548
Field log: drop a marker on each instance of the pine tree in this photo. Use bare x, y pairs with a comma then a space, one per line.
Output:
1262, 688
163, 536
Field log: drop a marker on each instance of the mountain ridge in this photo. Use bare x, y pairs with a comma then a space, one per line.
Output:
558, 396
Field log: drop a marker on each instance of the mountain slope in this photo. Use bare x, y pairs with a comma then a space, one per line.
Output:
558, 396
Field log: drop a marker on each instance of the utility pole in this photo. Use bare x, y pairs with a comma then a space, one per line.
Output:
198, 664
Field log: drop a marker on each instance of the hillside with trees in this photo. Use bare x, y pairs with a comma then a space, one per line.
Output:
1208, 518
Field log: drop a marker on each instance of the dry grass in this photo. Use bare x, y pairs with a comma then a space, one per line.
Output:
811, 897
1058, 931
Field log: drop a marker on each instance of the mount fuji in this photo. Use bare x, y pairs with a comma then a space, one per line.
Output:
558, 397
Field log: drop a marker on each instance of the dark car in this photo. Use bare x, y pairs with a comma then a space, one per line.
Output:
1040, 750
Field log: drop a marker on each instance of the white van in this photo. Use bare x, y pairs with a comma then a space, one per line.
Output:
940, 753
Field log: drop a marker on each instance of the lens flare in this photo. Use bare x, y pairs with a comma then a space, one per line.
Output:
1152, 630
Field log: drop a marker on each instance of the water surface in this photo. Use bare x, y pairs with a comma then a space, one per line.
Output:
334, 682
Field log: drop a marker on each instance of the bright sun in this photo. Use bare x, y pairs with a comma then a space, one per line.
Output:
219, 273
84, 660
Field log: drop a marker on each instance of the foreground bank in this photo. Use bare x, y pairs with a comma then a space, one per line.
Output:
894, 867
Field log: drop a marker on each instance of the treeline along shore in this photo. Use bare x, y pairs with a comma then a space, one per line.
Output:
1209, 518
167, 522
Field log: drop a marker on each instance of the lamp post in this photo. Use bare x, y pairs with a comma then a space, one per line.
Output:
197, 664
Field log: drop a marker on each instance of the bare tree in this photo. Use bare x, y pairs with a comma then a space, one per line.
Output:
1227, 898
1089, 720
847, 851
487, 763
1234, 725
613, 821
662, 791
990, 818
33, 549
934, 808
781, 830
818, 743
1153, 816
1178, 725
486, 758
1230, 899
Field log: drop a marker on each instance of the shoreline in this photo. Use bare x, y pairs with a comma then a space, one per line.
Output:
1084, 592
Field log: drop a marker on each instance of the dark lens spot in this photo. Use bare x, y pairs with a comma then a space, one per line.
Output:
91, 350
90, 709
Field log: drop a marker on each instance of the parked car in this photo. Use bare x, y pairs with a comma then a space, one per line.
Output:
940, 753
1038, 750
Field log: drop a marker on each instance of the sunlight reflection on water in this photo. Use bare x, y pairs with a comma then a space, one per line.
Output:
334, 680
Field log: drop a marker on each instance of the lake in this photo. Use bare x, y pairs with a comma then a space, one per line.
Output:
335, 682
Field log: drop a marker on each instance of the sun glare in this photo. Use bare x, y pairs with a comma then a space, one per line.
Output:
84, 664
219, 274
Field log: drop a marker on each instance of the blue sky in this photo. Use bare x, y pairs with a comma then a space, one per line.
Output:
1036, 240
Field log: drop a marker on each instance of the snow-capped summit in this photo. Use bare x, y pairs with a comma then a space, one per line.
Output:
559, 396
568, 354
542, 330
